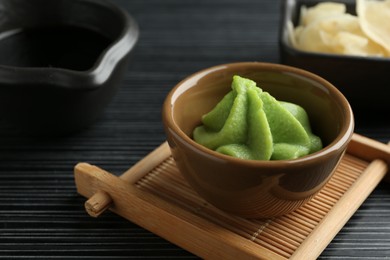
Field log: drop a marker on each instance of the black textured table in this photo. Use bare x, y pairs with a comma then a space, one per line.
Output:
41, 214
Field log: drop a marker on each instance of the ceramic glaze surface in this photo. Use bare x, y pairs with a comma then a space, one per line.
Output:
67, 47
251, 188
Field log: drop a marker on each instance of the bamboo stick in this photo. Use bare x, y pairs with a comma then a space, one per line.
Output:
101, 201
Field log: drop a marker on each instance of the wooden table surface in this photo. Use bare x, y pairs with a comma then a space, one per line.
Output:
41, 214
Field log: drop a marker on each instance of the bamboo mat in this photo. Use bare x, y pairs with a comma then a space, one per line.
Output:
160, 200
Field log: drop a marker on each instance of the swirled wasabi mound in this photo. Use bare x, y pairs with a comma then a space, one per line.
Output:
249, 123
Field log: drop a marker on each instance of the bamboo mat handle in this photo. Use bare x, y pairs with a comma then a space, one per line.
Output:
101, 200
370, 150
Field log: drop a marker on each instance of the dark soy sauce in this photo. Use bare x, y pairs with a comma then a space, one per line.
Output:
58, 47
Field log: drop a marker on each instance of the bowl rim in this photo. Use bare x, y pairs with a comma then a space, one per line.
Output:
340, 142
93, 77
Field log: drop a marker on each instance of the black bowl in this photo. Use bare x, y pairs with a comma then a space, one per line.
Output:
364, 81
61, 62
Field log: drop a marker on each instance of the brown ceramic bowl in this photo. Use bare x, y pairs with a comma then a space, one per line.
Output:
248, 188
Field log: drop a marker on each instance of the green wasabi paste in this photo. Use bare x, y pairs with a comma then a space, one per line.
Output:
249, 123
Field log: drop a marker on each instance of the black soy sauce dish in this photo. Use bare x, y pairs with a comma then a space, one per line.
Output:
61, 62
